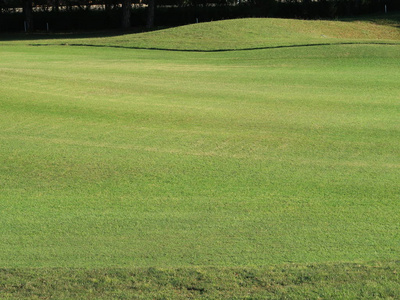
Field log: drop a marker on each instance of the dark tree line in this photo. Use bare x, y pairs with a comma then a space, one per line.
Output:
111, 14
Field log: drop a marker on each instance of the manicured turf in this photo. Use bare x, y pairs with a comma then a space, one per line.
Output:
240, 34
124, 158
257, 33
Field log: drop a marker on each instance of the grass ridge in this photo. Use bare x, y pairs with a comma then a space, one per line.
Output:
221, 50
241, 34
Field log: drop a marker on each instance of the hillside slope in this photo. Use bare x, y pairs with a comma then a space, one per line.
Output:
253, 34
238, 34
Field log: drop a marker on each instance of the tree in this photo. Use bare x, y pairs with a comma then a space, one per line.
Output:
126, 13
27, 10
150, 13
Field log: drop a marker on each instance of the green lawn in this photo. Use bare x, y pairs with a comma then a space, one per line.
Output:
129, 159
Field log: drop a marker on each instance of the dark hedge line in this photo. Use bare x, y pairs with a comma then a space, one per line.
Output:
101, 19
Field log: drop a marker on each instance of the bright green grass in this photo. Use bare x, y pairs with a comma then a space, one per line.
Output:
136, 158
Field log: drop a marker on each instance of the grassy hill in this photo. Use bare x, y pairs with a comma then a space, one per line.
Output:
249, 34
256, 33
135, 173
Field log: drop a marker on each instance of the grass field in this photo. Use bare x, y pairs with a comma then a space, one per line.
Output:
272, 172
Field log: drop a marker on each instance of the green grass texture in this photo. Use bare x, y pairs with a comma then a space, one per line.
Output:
311, 281
132, 158
242, 34
239, 34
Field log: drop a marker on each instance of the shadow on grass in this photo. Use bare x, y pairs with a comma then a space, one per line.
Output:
389, 19
217, 50
73, 35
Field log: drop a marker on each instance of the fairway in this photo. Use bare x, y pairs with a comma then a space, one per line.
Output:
114, 157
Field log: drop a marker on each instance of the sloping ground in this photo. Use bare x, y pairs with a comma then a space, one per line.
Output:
255, 33
243, 34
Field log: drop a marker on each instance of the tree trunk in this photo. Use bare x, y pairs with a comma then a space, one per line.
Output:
150, 14
126, 14
28, 15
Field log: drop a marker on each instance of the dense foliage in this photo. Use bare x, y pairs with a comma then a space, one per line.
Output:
56, 15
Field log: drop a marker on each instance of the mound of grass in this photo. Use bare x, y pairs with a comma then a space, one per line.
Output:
256, 33
242, 34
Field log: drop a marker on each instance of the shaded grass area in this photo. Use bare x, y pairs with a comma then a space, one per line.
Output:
378, 280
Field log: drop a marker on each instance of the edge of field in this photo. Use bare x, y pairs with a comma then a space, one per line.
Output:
291, 281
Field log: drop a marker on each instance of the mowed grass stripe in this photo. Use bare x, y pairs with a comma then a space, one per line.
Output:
180, 159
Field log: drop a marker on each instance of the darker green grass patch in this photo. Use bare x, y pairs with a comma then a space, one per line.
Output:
376, 280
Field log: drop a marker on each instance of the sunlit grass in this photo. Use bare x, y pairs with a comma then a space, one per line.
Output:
247, 34
122, 158
156, 158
